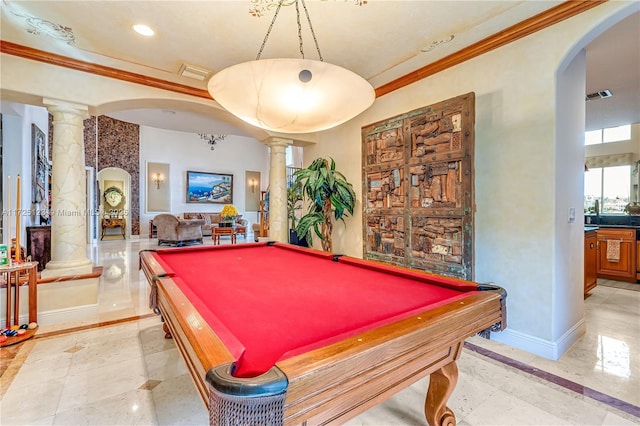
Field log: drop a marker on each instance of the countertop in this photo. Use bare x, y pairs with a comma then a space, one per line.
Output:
616, 226
592, 227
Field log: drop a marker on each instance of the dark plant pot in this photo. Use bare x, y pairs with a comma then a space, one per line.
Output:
226, 224
293, 239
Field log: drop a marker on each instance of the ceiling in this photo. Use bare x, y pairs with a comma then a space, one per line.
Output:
385, 40
613, 63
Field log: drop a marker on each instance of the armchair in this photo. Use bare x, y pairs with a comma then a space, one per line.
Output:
241, 226
176, 232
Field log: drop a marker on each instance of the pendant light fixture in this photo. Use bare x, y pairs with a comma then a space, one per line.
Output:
212, 140
290, 95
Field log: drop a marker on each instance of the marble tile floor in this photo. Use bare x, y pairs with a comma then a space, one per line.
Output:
117, 369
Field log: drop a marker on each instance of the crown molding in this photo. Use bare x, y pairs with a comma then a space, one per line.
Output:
527, 27
522, 29
66, 62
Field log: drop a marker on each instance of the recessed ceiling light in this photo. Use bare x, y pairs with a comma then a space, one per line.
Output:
143, 30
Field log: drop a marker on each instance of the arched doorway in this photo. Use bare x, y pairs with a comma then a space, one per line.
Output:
571, 89
114, 202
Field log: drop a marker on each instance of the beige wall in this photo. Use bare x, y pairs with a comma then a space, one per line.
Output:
253, 184
158, 193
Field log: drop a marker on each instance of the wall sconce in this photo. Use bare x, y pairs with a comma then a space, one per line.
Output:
157, 179
253, 184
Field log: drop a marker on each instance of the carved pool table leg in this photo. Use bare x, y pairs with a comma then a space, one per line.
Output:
441, 385
167, 332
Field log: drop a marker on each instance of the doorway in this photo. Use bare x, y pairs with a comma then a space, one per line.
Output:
114, 203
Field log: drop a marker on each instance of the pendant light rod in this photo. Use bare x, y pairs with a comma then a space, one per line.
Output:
313, 34
299, 29
273, 21
315, 40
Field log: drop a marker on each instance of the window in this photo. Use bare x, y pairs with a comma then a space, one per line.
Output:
610, 186
593, 137
615, 134
611, 134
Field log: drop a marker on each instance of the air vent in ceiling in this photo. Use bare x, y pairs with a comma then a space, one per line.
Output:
598, 95
191, 71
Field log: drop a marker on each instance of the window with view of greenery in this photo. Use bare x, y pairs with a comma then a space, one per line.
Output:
610, 186
611, 134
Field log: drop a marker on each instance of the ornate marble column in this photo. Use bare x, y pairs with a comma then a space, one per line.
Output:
278, 223
68, 191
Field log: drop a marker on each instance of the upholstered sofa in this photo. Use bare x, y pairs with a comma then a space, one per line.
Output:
174, 231
212, 220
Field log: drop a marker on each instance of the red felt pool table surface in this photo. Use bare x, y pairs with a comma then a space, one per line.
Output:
269, 303
303, 310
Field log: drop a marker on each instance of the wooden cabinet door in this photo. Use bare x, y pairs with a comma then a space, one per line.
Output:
625, 268
590, 261
39, 245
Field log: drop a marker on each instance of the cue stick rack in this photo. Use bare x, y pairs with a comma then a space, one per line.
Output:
12, 277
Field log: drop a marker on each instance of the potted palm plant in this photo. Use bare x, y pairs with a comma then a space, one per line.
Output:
329, 196
294, 203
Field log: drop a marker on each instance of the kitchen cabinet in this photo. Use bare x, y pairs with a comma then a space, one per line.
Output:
637, 260
624, 268
590, 260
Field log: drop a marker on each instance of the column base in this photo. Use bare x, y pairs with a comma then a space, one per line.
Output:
61, 268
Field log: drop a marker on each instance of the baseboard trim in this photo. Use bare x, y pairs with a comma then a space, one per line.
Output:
74, 313
541, 347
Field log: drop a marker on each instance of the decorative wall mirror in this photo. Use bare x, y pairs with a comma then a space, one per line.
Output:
114, 197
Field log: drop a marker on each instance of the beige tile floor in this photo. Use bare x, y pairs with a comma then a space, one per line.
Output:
128, 374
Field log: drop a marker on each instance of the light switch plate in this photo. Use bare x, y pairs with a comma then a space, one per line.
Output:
572, 214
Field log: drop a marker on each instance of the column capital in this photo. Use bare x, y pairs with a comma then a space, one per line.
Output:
57, 105
275, 142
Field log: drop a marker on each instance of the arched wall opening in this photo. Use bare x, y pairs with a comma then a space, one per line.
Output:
570, 118
113, 177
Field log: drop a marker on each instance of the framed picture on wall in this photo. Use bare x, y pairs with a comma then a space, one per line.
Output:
205, 187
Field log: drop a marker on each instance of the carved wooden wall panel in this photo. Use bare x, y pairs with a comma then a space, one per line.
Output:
418, 188
388, 238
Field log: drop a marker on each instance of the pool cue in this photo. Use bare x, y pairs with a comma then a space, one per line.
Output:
7, 276
16, 304
9, 217
18, 255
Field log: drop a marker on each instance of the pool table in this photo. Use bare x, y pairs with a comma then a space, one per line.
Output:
279, 334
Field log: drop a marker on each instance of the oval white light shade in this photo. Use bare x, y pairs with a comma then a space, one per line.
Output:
270, 94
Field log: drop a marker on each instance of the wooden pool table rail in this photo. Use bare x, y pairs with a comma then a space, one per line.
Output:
198, 344
335, 383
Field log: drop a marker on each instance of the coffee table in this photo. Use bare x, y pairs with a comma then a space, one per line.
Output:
217, 232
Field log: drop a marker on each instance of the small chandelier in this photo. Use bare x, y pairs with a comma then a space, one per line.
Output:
212, 139
291, 95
